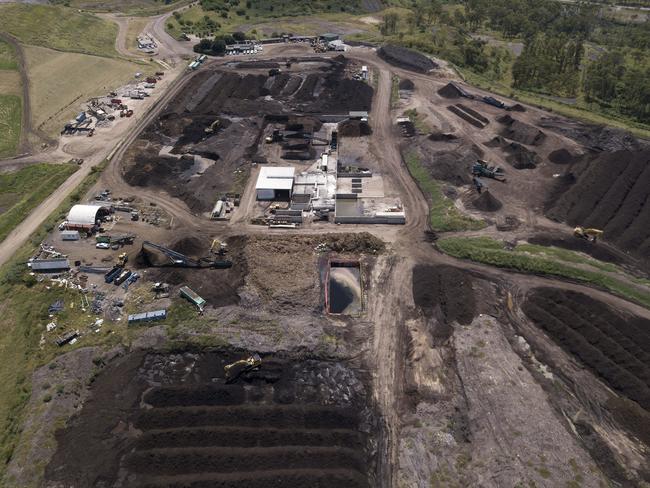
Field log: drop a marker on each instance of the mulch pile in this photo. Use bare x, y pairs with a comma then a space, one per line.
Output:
562, 156
406, 58
611, 192
486, 202
520, 131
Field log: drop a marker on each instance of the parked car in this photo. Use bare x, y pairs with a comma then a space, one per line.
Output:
103, 245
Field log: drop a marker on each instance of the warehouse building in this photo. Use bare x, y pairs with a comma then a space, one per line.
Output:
85, 217
275, 183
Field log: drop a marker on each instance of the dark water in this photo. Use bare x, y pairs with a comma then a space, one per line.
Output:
344, 290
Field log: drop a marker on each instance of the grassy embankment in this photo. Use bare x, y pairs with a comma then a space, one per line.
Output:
443, 216
19, 195
527, 258
129, 7
70, 57
24, 306
10, 101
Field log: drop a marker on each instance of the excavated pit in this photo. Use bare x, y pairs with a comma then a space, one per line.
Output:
158, 419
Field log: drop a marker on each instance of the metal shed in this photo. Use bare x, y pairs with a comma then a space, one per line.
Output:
147, 316
85, 216
49, 265
70, 235
275, 182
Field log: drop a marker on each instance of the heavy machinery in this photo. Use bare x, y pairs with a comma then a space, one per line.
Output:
122, 259
218, 247
588, 234
482, 168
182, 261
236, 369
212, 127
276, 136
494, 102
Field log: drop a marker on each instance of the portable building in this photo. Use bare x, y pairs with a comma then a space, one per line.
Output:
49, 265
147, 316
70, 235
189, 294
275, 182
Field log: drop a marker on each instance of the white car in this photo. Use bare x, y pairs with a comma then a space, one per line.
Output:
103, 245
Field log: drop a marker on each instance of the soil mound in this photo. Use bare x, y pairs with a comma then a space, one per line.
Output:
520, 157
304, 419
517, 107
452, 166
520, 131
444, 290
354, 128
449, 91
496, 141
486, 202
442, 136
190, 246
561, 156
406, 85
612, 346
406, 58
597, 137
611, 192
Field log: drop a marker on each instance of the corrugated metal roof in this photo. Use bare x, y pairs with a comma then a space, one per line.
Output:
84, 214
50, 264
275, 178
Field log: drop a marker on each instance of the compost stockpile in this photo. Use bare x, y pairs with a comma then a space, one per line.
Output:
614, 346
406, 58
288, 424
611, 191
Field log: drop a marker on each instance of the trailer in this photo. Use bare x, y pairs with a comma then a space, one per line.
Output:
147, 316
112, 274
187, 293
122, 277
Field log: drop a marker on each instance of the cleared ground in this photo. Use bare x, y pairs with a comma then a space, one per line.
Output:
61, 82
60, 28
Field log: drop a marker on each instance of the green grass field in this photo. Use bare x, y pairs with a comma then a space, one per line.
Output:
130, 7
23, 304
19, 194
8, 58
546, 261
60, 28
444, 216
10, 123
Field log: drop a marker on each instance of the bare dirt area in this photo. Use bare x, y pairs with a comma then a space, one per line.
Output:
173, 420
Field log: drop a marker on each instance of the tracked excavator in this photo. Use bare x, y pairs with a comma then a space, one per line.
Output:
587, 233
482, 168
236, 369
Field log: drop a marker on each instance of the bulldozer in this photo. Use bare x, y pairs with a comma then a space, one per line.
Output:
588, 234
236, 369
482, 168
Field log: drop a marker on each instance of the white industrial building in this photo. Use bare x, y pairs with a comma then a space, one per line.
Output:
275, 182
85, 217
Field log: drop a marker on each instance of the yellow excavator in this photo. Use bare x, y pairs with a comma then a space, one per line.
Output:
589, 234
122, 259
236, 369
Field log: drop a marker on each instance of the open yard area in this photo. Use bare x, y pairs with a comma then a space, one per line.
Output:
8, 59
59, 28
61, 82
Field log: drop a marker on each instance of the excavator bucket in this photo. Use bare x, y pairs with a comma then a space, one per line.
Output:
235, 370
